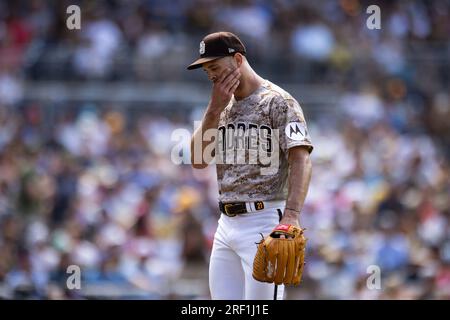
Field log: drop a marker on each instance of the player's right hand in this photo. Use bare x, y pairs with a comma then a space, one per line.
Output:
223, 88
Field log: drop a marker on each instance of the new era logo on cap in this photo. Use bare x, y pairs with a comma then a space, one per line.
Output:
202, 47
217, 45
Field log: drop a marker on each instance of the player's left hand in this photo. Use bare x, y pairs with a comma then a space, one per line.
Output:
290, 217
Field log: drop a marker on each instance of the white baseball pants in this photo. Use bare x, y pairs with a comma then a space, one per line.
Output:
234, 248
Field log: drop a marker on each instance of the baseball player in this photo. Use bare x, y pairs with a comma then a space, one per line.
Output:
251, 116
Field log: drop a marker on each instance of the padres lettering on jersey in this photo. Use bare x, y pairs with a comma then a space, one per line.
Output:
262, 126
243, 143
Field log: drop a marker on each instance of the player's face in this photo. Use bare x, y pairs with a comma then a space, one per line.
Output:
214, 68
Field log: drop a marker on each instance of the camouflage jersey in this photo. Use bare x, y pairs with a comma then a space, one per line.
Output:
255, 134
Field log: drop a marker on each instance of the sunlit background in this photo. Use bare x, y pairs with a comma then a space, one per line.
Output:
86, 118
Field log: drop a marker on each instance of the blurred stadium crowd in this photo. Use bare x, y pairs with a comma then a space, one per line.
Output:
92, 186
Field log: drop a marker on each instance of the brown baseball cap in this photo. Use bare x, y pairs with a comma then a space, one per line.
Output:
217, 45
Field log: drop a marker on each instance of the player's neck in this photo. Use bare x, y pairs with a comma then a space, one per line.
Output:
249, 83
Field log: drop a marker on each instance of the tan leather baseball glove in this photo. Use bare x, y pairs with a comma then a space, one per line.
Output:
280, 260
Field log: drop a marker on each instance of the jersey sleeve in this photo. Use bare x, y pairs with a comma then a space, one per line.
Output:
288, 118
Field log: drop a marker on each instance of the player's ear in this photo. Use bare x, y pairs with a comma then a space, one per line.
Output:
238, 58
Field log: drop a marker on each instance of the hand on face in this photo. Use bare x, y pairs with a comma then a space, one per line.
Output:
224, 86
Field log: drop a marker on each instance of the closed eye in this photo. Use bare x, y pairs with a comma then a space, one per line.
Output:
212, 68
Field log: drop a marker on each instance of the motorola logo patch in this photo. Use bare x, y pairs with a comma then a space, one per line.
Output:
296, 131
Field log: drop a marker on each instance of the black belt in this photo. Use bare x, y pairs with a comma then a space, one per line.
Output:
234, 208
